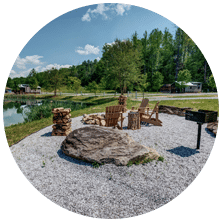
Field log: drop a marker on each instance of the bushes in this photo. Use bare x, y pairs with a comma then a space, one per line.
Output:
19, 97
44, 110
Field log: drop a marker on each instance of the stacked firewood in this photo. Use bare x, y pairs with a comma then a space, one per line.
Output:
93, 119
62, 121
173, 110
122, 100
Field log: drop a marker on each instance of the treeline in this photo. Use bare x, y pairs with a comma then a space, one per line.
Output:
133, 64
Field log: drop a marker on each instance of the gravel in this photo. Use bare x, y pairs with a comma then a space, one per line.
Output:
111, 191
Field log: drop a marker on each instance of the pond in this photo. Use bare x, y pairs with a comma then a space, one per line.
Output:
15, 112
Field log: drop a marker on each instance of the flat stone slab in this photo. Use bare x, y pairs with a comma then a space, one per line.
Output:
213, 127
105, 145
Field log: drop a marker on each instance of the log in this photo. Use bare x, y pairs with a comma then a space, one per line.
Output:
134, 121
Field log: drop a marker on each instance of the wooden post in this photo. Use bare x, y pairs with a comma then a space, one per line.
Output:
199, 135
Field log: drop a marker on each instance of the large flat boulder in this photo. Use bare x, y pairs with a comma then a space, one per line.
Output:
105, 145
213, 127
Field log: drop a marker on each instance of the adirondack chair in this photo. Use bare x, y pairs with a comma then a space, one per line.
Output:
143, 105
148, 117
143, 108
113, 115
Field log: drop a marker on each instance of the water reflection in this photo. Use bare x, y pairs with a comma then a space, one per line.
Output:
14, 111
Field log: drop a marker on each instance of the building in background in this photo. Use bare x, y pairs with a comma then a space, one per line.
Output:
191, 87
8, 90
25, 89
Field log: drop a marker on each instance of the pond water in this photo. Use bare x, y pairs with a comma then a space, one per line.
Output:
14, 112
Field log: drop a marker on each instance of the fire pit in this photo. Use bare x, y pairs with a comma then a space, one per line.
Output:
201, 116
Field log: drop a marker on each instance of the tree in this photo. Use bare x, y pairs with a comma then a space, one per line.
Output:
184, 77
93, 87
32, 73
157, 80
211, 82
167, 67
102, 84
123, 62
15, 86
54, 80
143, 84
33, 83
74, 83
10, 83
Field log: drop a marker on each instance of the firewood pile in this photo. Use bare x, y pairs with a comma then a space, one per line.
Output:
62, 121
93, 119
173, 110
122, 100
213, 127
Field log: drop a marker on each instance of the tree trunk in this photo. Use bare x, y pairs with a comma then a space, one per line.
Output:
177, 65
205, 71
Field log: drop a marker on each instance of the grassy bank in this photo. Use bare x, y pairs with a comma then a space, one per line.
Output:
17, 132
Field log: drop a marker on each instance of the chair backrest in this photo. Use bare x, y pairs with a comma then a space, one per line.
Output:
112, 119
114, 109
144, 103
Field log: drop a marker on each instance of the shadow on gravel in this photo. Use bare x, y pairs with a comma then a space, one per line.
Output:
210, 133
47, 134
71, 159
183, 151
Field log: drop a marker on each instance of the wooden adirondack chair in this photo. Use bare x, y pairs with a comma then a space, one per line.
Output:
112, 116
143, 108
148, 117
143, 105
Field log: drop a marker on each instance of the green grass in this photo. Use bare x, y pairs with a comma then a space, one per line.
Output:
143, 160
96, 164
186, 96
15, 133
83, 90
196, 104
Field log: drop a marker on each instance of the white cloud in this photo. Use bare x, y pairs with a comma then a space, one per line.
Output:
22, 62
113, 43
55, 65
88, 49
86, 17
121, 8
98, 58
110, 43
104, 10
24, 73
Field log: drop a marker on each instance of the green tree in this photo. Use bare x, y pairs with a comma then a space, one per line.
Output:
157, 80
143, 84
33, 83
93, 87
74, 84
167, 67
10, 83
211, 82
32, 73
15, 86
54, 80
102, 85
123, 62
184, 77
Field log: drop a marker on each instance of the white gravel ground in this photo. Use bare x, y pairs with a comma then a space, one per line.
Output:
111, 191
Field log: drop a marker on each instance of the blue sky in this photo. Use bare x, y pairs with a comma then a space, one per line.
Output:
80, 35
